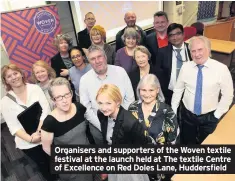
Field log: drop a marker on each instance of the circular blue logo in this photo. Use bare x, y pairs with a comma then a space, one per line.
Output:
45, 22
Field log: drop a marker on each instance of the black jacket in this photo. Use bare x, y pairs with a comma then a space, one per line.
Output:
84, 40
120, 43
57, 64
152, 45
135, 77
127, 129
164, 67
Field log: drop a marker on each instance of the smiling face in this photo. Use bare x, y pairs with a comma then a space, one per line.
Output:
160, 23
176, 37
148, 93
62, 97
13, 78
63, 46
96, 38
107, 106
77, 58
40, 73
130, 19
199, 52
98, 62
130, 42
141, 59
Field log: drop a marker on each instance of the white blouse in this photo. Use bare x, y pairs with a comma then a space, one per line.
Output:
10, 111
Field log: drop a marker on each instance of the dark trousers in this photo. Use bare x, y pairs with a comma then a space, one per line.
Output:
194, 129
42, 160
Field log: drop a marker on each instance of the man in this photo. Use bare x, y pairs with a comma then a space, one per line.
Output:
130, 19
171, 58
84, 35
158, 39
200, 82
102, 73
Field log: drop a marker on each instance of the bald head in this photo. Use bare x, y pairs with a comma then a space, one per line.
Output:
130, 19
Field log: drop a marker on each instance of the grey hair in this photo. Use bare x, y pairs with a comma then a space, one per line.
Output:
142, 49
57, 82
60, 37
131, 32
204, 39
152, 80
93, 48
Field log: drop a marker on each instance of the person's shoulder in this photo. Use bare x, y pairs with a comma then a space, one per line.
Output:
87, 76
121, 50
151, 35
55, 57
116, 69
216, 63
82, 32
120, 33
80, 108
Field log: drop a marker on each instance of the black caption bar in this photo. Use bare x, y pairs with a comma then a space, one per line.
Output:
198, 159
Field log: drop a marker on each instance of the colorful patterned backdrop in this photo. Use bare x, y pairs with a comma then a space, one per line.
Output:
206, 10
28, 34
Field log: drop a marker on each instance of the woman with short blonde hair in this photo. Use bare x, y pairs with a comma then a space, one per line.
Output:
41, 74
98, 38
119, 126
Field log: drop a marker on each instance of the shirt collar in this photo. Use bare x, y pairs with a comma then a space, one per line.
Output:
206, 64
182, 47
107, 73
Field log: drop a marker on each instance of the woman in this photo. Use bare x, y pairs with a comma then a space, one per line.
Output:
66, 123
98, 37
21, 95
158, 118
124, 56
115, 129
80, 67
142, 57
61, 60
41, 74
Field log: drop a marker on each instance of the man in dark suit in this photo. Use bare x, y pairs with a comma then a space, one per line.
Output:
130, 19
84, 35
158, 39
171, 58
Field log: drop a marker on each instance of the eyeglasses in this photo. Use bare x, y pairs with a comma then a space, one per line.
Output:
76, 56
66, 96
90, 19
178, 33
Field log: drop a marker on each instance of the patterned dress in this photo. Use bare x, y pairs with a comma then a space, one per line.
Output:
161, 126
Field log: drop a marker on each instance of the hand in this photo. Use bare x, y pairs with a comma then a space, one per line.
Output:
36, 137
64, 72
103, 176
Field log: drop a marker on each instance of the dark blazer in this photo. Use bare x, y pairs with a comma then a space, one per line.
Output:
127, 129
164, 68
84, 40
57, 64
135, 77
120, 43
152, 45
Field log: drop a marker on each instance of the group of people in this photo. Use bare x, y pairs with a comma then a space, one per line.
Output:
93, 94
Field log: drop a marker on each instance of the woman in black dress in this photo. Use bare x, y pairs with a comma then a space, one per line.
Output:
66, 124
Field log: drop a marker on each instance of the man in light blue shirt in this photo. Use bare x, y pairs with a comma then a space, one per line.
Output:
102, 73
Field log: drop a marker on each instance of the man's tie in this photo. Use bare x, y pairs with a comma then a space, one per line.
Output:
198, 94
179, 62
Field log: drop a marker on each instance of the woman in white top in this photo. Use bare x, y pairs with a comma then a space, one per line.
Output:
42, 73
21, 94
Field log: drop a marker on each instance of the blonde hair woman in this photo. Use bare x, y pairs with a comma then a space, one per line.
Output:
41, 74
19, 97
98, 38
119, 126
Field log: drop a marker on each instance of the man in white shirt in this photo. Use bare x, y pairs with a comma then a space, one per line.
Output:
102, 73
200, 82
171, 58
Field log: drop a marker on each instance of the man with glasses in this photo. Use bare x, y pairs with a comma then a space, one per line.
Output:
171, 58
158, 39
84, 35
102, 73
